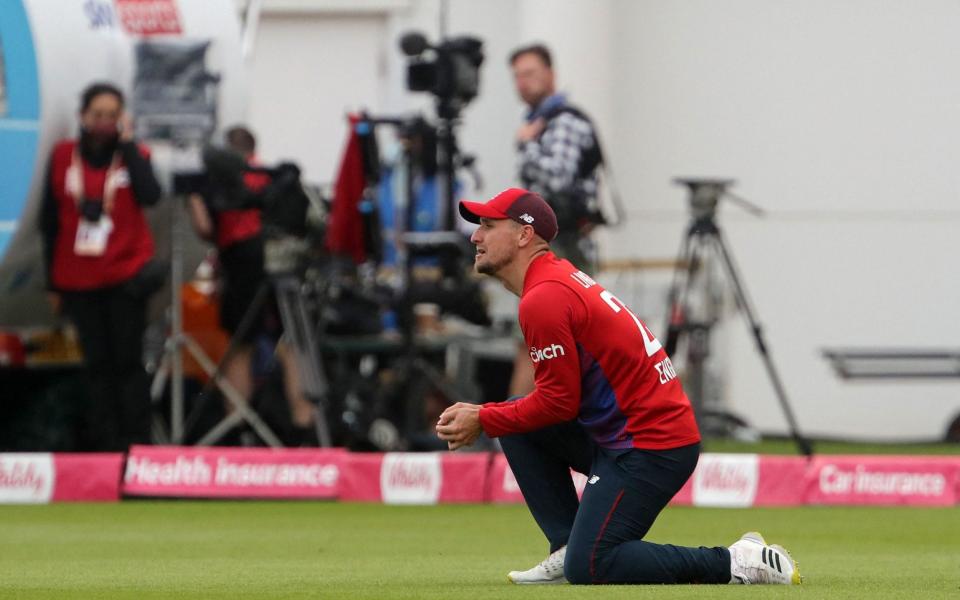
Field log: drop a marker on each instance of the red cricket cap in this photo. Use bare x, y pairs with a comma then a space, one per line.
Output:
522, 206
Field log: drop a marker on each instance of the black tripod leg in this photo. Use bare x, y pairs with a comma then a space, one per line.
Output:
246, 324
680, 325
679, 293
297, 328
755, 328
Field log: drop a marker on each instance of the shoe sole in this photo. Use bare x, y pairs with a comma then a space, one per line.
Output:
550, 582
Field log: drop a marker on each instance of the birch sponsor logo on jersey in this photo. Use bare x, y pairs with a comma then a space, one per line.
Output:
410, 478
547, 353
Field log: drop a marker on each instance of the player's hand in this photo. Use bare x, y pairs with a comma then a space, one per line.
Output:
530, 131
459, 425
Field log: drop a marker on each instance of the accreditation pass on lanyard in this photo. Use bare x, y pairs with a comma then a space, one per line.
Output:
92, 236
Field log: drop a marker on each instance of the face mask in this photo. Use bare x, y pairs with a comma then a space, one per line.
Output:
98, 145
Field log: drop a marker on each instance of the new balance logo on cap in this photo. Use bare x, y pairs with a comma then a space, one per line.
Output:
523, 206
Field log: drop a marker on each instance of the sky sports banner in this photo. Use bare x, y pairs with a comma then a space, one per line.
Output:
41, 477
149, 17
207, 472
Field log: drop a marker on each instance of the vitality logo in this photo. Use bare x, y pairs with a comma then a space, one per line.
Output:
553, 351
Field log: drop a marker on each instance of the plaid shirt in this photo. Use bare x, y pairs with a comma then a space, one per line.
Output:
549, 165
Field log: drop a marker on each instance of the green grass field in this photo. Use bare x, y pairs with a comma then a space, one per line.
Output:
184, 550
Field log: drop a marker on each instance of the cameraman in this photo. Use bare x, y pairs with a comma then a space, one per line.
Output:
559, 155
228, 214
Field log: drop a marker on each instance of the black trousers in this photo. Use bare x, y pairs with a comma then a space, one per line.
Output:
110, 323
625, 491
243, 274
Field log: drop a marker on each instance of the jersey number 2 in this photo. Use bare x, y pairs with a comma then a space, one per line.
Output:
650, 343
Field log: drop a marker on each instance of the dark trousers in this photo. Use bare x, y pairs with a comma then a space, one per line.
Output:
110, 323
625, 491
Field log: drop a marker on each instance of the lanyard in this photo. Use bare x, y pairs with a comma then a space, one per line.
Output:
75, 180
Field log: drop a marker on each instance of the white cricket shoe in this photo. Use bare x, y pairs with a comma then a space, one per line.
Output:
752, 561
548, 571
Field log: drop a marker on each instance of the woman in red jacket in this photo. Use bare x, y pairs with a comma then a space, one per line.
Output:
97, 245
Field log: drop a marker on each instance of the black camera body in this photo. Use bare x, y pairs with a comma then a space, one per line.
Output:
452, 73
91, 209
283, 202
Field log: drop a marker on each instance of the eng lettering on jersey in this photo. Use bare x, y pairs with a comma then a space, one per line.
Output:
552, 351
666, 371
583, 279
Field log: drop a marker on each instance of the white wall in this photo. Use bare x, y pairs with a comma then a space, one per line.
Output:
840, 118
309, 70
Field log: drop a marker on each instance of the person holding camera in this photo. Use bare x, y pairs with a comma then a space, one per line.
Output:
229, 214
559, 154
100, 273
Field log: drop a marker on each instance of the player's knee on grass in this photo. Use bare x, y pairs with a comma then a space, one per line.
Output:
576, 565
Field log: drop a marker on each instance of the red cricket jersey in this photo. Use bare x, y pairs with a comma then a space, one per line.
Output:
130, 244
236, 225
595, 361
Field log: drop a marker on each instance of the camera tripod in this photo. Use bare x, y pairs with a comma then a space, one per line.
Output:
702, 237
288, 291
170, 367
